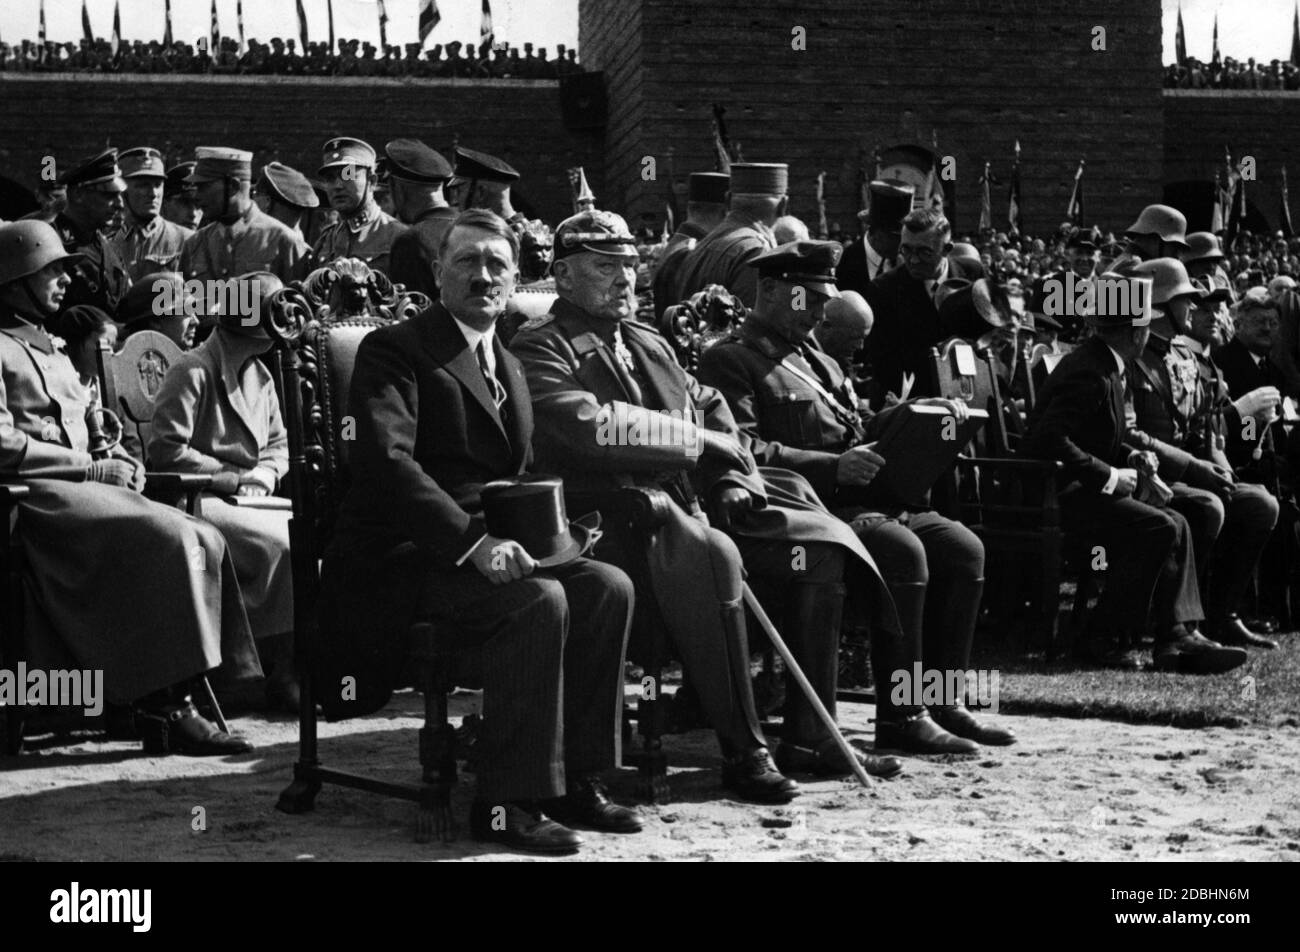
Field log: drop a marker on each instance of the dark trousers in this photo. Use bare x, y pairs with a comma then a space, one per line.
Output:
1150, 573
551, 648
1228, 537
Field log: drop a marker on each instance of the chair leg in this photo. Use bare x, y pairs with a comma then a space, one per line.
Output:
434, 817
206, 687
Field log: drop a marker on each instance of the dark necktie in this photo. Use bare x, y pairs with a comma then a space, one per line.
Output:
494, 386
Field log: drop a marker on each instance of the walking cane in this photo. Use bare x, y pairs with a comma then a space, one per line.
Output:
801, 679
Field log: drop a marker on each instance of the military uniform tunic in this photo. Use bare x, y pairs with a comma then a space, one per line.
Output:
101, 278
368, 235
148, 249
253, 242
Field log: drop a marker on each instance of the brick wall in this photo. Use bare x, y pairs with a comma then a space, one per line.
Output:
289, 118
977, 73
1264, 124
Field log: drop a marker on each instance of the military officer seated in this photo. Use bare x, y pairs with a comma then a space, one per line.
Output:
363, 230
614, 409
795, 409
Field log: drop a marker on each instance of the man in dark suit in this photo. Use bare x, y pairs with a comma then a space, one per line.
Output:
616, 409
441, 409
907, 319
876, 252
1177, 418
797, 410
1079, 420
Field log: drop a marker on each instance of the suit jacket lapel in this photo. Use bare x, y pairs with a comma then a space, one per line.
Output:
448, 346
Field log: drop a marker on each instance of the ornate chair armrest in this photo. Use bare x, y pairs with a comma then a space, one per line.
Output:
11, 493
172, 487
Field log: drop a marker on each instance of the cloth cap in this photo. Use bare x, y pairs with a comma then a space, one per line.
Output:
217, 162
288, 185
760, 178
344, 150
709, 187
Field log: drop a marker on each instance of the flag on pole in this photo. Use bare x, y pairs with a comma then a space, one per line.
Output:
302, 26
86, 29
40, 33
1013, 194
239, 21
723, 157
1074, 210
1284, 218
1237, 210
214, 38
383, 27
986, 202
1295, 37
329, 6
167, 26
485, 33
429, 17
1214, 51
1180, 40
116, 40
822, 229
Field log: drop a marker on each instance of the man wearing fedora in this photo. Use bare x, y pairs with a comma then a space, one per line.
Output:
1182, 420
904, 302
442, 410
147, 242
756, 200
796, 410
876, 252
706, 206
363, 230
615, 409
417, 176
1149, 575
95, 192
237, 237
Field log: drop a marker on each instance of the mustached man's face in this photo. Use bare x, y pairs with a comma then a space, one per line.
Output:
476, 276
602, 285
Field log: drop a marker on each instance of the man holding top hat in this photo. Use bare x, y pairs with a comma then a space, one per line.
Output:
442, 413
706, 206
615, 409
417, 176
147, 242
237, 237
876, 252
95, 192
757, 198
363, 230
1080, 420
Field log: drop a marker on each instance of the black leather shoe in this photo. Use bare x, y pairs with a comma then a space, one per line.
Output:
180, 729
518, 826
960, 722
753, 776
1233, 631
827, 760
1193, 653
587, 803
919, 734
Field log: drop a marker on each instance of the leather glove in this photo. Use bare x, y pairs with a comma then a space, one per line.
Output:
113, 472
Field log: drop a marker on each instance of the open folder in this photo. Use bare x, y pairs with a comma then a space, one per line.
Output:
919, 444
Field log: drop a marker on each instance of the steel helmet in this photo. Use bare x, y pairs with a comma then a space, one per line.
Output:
28, 246
1169, 277
1168, 224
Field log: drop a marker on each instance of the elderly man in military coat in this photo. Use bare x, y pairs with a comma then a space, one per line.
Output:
615, 408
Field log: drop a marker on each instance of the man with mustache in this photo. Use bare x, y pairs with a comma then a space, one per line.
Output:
616, 409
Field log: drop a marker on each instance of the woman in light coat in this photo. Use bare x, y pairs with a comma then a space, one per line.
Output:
218, 413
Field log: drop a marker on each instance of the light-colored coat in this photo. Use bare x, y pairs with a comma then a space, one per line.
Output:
112, 581
214, 417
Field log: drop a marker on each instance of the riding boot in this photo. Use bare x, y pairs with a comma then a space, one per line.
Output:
813, 612
717, 662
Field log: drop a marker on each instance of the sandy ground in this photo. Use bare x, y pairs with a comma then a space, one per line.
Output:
1070, 790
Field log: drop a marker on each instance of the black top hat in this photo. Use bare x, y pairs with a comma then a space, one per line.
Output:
531, 511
